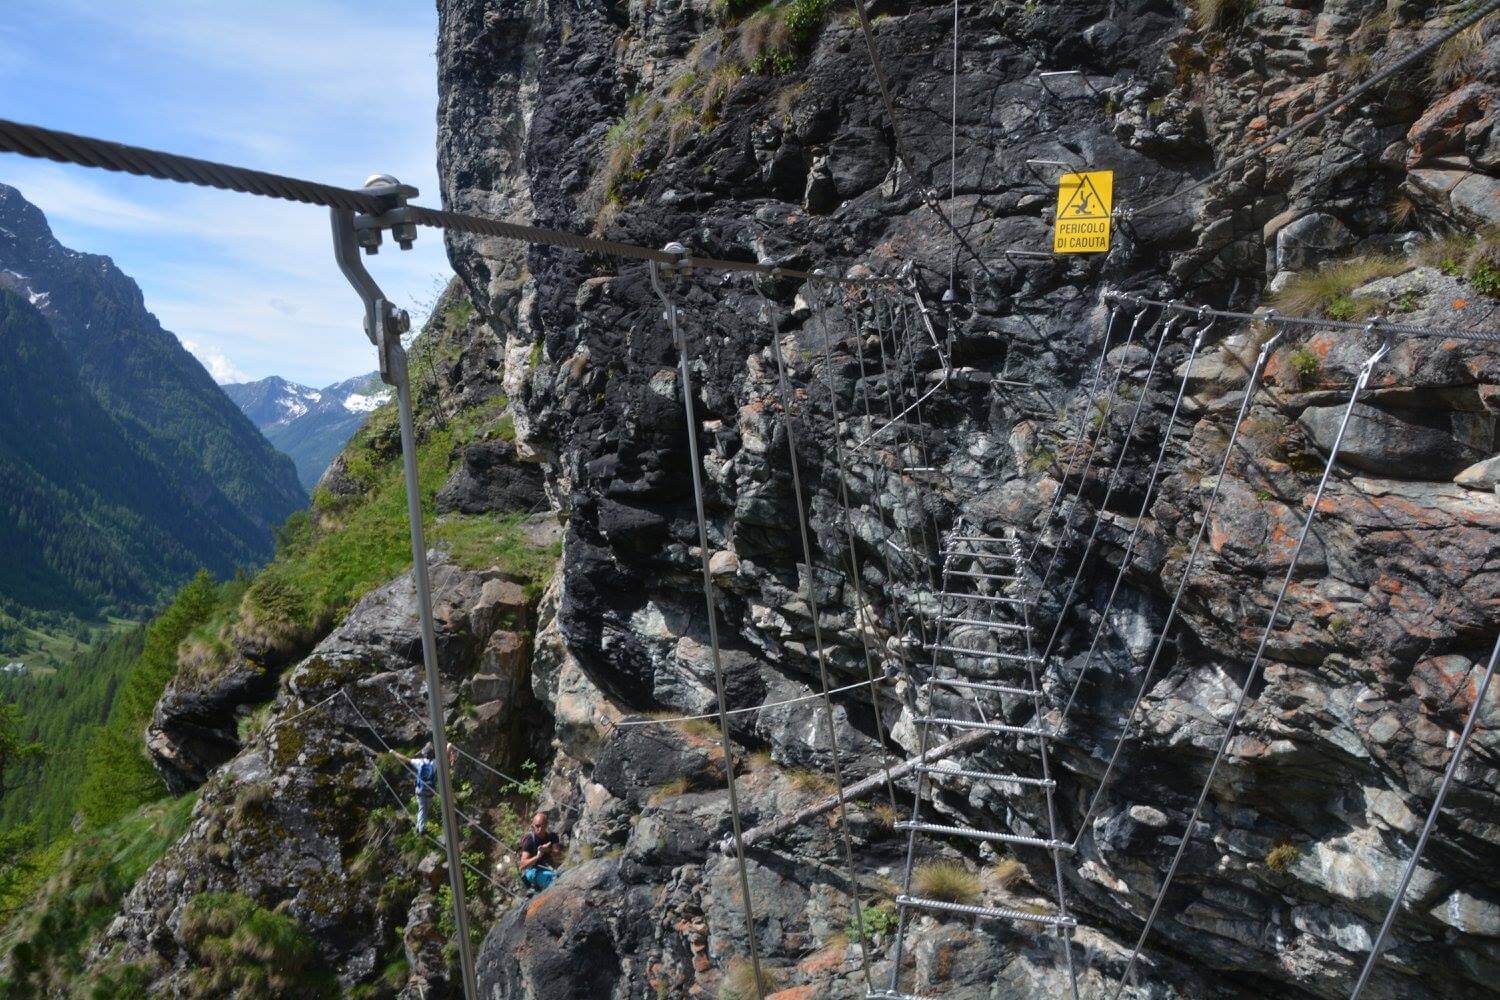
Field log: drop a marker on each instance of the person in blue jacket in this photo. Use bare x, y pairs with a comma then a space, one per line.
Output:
424, 769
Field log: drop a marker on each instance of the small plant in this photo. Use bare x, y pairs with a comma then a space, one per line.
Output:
879, 921
1281, 857
811, 782
1338, 625
949, 881
537, 348
1407, 301
1304, 362
739, 981
1461, 56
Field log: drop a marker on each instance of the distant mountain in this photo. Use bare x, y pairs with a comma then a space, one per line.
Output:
123, 467
310, 425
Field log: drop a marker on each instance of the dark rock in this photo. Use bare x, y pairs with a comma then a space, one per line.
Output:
490, 480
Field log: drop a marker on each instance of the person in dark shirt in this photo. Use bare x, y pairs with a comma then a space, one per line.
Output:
541, 850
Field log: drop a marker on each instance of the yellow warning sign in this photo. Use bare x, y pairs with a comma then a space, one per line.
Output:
1083, 205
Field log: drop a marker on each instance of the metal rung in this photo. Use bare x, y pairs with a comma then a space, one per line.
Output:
982, 654
981, 538
1014, 779
974, 575
997, 688
989, 727
997, 626
893, 995
921, 468
991, 598
995, 912
960, 554
1000, 838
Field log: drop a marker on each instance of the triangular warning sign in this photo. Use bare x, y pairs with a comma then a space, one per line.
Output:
1085, 202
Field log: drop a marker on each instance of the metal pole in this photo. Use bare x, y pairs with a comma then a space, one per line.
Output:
685, 372
1432, 815
384, 325
434, 678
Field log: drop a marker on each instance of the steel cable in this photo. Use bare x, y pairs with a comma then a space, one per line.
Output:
1140, 520
1254, 670
1416, 55
811, 596
1379, 325
1480, 694
1251, 383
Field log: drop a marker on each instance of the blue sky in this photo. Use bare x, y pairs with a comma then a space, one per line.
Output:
332, 90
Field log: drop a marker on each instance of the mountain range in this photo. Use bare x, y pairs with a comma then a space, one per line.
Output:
123, 467
310, 425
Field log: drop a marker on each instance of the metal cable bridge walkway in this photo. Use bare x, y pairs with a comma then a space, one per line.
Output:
958, 630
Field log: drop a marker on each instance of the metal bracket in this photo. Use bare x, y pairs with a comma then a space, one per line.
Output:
384, 323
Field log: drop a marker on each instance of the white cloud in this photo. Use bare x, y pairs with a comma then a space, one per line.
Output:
216, 361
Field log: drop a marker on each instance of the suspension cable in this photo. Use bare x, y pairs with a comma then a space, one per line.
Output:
685, 374
1254, 671
1251, 384
811, 596
1379, 325
630, 723
1432, 814
1292, 130
87, 151
906, 162
1106, 415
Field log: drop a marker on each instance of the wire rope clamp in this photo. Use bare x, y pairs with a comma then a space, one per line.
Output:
352, 232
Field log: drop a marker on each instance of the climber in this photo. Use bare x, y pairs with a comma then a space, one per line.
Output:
541, 849
424, 769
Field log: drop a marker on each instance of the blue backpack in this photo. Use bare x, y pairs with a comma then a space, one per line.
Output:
424, 777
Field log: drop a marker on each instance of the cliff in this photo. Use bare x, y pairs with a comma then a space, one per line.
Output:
750, 132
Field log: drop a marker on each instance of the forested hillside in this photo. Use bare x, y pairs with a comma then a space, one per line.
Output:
123, 468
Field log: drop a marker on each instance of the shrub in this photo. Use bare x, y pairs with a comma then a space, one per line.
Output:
949, 881
1281, 857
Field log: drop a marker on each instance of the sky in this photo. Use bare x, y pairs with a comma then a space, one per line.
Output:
329, 90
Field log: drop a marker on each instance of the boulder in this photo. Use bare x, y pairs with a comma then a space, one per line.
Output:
1405, 443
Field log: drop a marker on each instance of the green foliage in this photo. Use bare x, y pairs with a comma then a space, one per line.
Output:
241, 949
480, 541
1474, 258
729, 11
74, 891
804, 18
537, 347
118, 778
878, 920
63, 711
1304, 362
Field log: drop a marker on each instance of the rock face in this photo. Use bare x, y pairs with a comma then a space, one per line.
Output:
1338, 754
1368, 675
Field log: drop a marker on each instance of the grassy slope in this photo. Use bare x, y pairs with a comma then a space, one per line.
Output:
326, 559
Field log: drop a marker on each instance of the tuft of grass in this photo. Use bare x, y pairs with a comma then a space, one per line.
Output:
810, 782
241, 949
739, 981
1329, 291
1474, 258
1006, 873
74, 890
949, 881
481, 541
1462, 56
1282, 856
716, 88
1220, 15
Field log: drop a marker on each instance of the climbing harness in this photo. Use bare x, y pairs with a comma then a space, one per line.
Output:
1254, 670
685, 374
